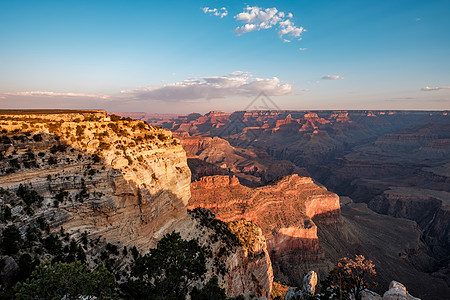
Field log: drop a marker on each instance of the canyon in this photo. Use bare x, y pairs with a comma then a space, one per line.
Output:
393, 162
271, 194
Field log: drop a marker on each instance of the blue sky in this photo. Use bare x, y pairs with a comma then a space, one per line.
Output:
184, 56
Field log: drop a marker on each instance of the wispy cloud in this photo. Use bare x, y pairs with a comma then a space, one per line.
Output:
55, 94
220, 12
332, 77
302, 49
256, 18
236, 84
437, 88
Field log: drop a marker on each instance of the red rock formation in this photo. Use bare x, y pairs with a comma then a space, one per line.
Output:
215, 156
283, 210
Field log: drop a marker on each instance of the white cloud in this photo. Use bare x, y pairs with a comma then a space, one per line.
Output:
332, 77
302, 49
437, 88
236, 84
221, 12
55, 94
256, 18
246, 28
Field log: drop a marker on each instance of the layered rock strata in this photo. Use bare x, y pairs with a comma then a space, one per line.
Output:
92, 176
284, 211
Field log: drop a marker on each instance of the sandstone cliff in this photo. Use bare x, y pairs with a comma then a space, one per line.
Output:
130, 180
112, 184
284, 211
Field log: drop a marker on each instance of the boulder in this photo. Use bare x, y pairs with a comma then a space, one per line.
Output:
397, 291
309, 283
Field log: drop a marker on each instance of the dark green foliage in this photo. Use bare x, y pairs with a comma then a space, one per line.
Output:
14, 163
26, 266
114, 118
5, 214
53, 127
29, 196
114, 127
162, 137
83, 194
37, 137
112, 249
95, 159
52, 160
135, 253
84, 239
61, 147
53, 245
208, 219
349, 278
43, 225
4, 139
61, 196
168, 271
211, 291
79, 131
68, 281
11, 240
29, 154
32, 235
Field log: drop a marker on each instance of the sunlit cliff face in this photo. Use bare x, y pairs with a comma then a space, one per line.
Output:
127, 170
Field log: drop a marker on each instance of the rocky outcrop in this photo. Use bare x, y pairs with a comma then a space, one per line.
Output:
91, 176
398, 291
393, 244
239, 253
125, 181
308, 290
309, 283
284, 211
215, 156
367, 155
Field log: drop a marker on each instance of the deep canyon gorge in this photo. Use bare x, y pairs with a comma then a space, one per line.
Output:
314, 186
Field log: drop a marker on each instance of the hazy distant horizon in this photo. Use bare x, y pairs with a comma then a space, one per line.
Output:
180, 57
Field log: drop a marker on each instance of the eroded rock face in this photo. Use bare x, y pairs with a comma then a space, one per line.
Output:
308, 290
398, 291
396, 161
121, 182
283, 210
240, 257
215, 156
125, 180
309, 283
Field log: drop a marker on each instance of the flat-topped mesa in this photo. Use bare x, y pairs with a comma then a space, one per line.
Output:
211, 182
56, 114
295, 197
340, 116
284, 211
